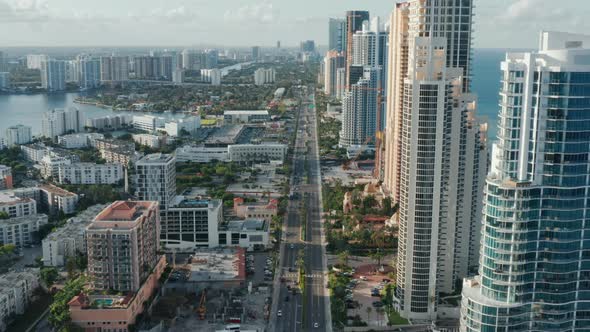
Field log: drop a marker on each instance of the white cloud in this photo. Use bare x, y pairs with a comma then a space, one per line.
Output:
258, 12
22, 11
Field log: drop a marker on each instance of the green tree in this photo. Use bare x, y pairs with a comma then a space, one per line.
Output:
71, 266
4, 215
49, 275
377, 255
343, 257
59, 311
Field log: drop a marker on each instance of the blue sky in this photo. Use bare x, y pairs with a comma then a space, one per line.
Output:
499, 23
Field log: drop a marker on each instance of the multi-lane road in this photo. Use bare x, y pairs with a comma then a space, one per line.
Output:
309, 308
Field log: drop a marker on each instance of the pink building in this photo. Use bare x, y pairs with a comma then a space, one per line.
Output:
112, 313
263, 211
122, 244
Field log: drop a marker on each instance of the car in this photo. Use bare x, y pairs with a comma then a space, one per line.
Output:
279, 313
316, 325
363, 278
292, 246
377, 304
286, 298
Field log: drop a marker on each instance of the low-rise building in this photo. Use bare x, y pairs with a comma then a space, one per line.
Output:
147, 123
16, 292
70, 239
15, 206
90, 173
117, 151
189, 125
5, 177
201, 154
110, 122
56, 199
191, 222
250, 234
264, 210
152, 141
20, 231
77, 141
34, 152
257, 152
50, 165
97, 312
245, 116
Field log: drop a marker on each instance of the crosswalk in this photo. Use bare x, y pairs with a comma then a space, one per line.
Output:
294, 275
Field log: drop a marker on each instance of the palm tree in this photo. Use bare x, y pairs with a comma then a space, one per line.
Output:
377, 256
343, 257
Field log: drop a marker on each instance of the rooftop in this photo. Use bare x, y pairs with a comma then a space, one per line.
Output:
195, 202
7, 197
217, 265
56, 190
247, 225
156, 158
245, 112
121, 211
76, 225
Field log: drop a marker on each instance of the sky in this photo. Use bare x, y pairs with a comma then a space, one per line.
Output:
498, 23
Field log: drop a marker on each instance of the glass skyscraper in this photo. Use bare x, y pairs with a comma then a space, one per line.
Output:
534, 272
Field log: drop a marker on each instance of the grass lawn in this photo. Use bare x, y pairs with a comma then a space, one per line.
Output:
208, 122
396, 319
33, 311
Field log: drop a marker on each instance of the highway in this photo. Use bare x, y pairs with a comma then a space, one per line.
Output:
308, 309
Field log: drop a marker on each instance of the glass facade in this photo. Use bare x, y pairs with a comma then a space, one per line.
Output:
534, 272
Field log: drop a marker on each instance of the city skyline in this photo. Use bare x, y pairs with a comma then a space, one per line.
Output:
181, 23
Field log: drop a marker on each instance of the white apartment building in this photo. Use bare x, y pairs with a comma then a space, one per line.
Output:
20, 231
35, 152
5, 177
264, 76
4, 80
68, 240
109, 122
147, 123
152, 141
15, 206
59, 121
89, 73
90, 173
17, 135
34, 60
58, 199
212, 76
189, 124
156, 179
50, 165
77, 141
16, 291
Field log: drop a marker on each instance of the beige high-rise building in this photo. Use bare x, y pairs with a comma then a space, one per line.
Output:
436, 155
122, 244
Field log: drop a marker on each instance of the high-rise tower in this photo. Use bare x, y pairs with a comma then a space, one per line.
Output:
354, 23
435, 151
534, 272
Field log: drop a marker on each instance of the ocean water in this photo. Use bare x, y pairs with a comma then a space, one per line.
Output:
486, 84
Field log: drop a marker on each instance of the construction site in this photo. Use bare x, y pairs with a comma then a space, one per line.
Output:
210, 290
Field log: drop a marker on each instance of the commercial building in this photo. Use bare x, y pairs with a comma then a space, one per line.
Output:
5, 177
15, 206
534, 268
245, 116
354, 23
21, 231
337, 35
441, 152
212, 76
17, 135
256, 53
201, 154
70, 239
89, 73
264, 76
16, 293
307, 46
62, 121
257, 152
78, 141
122, 244
4, 80
54, 199
90, 173
53, 75
188, 125
251, 234
191, 222
156, 179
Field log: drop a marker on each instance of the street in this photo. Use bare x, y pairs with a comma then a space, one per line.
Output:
308, 309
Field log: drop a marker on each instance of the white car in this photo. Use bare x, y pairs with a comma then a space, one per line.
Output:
316, 325
363, 278
280, 313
